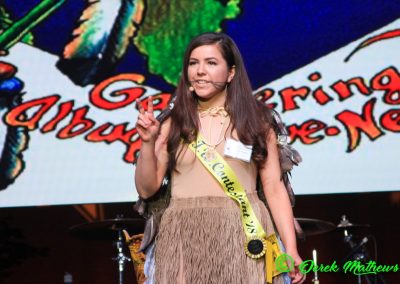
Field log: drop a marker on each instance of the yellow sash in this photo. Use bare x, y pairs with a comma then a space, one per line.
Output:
257, 244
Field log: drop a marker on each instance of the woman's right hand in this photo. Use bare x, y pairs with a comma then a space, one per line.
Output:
147, 125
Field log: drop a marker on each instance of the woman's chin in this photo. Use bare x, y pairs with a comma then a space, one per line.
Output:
203, 97
206, 94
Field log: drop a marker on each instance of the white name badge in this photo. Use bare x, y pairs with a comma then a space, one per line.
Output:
238, 150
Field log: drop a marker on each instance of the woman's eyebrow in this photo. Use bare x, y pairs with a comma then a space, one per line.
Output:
207, 58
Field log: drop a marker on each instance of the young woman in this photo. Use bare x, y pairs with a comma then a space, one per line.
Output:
203, 236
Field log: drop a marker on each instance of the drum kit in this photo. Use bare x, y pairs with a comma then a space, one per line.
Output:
111, 229
357, 245
116, 230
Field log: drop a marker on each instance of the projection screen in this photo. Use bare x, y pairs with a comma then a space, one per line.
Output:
67, 132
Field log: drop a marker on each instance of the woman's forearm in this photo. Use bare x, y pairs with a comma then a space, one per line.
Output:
281, 210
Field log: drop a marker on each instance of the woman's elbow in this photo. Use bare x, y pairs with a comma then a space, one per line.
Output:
145, 190
274, 189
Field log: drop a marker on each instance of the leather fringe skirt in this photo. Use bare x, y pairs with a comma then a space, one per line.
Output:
201, 240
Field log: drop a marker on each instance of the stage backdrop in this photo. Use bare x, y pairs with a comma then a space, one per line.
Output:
67, 132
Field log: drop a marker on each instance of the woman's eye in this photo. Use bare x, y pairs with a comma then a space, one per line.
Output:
192, 63
212, 62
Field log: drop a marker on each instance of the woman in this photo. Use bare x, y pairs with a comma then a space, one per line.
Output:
202, 233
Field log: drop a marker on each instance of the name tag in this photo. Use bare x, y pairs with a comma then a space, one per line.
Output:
238, 150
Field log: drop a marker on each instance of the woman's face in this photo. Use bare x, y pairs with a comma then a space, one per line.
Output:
208, 66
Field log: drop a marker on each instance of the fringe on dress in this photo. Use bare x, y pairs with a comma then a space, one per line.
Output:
201, 240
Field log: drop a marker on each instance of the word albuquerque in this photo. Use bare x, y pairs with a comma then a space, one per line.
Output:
79, 123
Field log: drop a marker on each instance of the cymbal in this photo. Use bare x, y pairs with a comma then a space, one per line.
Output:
107, 229
313, 227
345, 224
352, 226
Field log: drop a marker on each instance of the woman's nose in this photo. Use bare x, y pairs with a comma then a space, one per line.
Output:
200, 69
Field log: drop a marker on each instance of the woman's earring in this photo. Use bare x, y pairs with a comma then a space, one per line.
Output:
191, 88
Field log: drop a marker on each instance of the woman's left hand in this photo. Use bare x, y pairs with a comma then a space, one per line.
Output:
295, 274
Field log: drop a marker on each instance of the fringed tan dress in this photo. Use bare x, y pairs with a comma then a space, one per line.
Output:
201, 238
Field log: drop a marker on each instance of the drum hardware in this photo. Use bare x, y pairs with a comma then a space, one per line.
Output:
111, 229
313, 227
107, 229
358, 249
121, 258
345, 224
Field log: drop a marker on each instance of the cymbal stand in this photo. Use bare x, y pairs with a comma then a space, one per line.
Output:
359, 252
121, 258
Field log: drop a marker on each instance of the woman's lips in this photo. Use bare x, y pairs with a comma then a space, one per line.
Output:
201, 83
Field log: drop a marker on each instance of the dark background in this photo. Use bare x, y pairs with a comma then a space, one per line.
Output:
43, 232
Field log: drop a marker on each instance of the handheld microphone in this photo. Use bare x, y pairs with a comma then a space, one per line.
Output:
166, 112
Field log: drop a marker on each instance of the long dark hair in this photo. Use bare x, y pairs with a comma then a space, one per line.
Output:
250, 118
